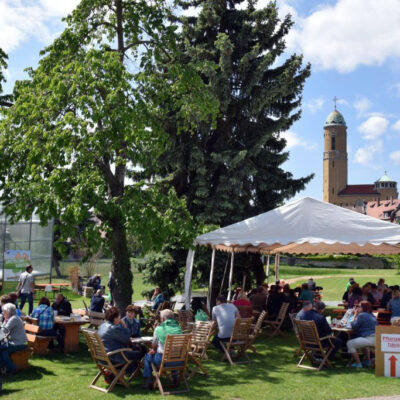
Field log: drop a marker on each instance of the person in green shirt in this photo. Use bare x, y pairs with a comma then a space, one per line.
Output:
167, 327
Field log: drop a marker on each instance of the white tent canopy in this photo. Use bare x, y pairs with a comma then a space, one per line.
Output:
303, 221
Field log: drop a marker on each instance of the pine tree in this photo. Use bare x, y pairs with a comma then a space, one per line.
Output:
232, 170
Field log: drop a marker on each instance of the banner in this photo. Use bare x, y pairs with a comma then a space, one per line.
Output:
15, 262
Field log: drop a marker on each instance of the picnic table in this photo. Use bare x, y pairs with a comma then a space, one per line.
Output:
55, 287
71, 326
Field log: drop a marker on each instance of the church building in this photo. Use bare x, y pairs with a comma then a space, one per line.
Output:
335, 185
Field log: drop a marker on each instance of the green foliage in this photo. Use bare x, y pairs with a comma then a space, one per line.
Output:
86, 128
231, 169
5, 100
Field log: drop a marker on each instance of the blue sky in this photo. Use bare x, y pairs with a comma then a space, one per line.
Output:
353, 46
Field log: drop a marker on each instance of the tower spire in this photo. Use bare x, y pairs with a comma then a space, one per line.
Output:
335, 99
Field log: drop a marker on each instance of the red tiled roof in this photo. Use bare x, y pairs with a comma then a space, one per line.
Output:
376, 211
358, 189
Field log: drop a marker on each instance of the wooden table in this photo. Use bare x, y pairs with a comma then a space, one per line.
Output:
338, 329
71, 326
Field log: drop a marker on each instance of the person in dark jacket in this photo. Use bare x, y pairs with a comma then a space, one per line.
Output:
131, 322
62, 305
274, 302
313, 312
115, 335
97, 302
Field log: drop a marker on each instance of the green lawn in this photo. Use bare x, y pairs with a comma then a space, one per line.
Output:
272, 374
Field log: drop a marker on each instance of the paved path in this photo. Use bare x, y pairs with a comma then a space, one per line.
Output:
315, 277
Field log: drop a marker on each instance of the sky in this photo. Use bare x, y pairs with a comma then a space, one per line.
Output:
352, 45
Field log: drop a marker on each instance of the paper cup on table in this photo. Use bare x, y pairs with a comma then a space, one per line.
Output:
55, 313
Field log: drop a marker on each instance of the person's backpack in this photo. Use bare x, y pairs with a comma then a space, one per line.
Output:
201, 315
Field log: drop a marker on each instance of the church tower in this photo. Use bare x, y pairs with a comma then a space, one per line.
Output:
335, 157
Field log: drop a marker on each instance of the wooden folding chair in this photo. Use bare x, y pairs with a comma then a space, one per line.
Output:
201, 335
311, 344
240, 339
292, 317
255, 330
95, 319
105, 364
276, 325
176, 351
185, 319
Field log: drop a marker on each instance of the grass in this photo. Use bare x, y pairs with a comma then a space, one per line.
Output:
272, 374
334, 280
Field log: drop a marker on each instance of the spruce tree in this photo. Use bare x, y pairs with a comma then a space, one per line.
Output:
232, 169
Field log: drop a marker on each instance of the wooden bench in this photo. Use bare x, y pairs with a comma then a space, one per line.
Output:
21, 358
38, 343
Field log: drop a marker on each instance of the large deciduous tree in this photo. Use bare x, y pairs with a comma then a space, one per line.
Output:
5, 99
87, 124
233, 169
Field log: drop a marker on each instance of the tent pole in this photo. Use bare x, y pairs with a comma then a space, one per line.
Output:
211, 280
231, 276
277, 260
244, 281
267, 267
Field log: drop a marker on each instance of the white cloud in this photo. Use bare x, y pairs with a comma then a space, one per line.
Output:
315, 105
373, 127
294, 140
395, 157
20, 20
348, 34
362, 105
365, 155
396, 125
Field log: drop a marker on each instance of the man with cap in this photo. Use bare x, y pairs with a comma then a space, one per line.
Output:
313, 312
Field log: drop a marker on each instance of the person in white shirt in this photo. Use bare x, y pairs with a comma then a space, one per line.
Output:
26, 286
224, 314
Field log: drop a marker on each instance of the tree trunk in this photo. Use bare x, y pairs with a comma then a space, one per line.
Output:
121, 267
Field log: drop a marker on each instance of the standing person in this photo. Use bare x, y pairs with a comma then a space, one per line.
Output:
364, 325
26, 288
110, 285
225, 315
311, 284
17, 338
167, 327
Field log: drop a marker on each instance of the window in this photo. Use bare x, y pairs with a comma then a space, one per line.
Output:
333, 143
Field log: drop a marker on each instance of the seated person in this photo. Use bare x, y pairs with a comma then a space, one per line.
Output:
259, 299
242, 300
306, 294
364, 324
311, 284
394, 306
115, 335
236, 294
200, 311
94, 281
45, 316
167, 327
97, 302
290, 297
62, 305
387, 296
157, 298
131, 322
355, 296
313, 312
16, 339
274, 302
225, 315
10, 298
366, 294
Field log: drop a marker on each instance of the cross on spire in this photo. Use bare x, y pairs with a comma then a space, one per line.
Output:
335, 99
